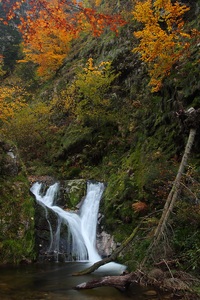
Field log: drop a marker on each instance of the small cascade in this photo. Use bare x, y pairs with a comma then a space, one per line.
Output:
81, 238
89, 214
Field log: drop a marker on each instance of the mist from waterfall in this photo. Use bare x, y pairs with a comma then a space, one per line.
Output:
81, 238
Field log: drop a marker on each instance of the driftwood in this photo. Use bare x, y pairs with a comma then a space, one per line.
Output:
119, 282
178, 284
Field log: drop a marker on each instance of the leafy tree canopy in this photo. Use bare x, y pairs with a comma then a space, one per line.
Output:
47, 28
164, 39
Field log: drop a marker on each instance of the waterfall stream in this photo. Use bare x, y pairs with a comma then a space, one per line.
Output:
81, 239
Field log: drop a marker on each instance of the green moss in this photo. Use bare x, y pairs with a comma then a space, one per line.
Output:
76, 190
186, 239
16, 221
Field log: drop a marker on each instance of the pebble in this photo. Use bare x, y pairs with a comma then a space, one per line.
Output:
150, 293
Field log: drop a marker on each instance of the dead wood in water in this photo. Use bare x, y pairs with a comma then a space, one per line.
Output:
119, 282
180, 284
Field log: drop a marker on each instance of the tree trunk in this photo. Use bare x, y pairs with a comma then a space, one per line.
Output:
171, 199
175, 189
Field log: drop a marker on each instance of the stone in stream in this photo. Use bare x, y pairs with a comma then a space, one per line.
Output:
150, 293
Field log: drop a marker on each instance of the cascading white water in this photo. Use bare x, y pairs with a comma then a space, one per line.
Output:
89, 214
82, 226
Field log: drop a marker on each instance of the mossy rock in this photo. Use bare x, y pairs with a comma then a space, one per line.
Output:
73, 192
17, 239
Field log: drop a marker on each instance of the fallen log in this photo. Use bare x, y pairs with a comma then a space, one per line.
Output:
181, 284
121, 282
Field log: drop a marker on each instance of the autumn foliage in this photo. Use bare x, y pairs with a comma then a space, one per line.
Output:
163, 40
139, 206
11, 101
47, 48
47, 28
92, 83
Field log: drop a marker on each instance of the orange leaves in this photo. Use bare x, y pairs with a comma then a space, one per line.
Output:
139, 206
46, 37
162, 40
48, 26
47, 48
98, 22
69, 15
10, 8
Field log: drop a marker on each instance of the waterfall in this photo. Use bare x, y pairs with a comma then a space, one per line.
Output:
81, 239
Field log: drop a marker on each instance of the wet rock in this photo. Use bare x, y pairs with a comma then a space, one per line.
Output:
72, 193
150, 294
47, 180
105, 244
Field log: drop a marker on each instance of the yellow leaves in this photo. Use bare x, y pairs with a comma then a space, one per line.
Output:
29, 128
87, 95
96, 70
11, 101
143, 12
94, 80
162, 40
98, 2
66, 101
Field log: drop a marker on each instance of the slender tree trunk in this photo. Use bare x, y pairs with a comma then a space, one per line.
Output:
175, 189
171, 199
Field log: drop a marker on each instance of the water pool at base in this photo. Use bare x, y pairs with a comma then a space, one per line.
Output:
54, 281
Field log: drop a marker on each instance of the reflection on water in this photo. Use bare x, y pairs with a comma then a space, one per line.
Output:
55, 282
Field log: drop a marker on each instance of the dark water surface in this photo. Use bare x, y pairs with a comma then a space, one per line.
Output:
54, 281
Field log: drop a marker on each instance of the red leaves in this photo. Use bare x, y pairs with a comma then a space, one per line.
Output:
48, 26
100, 21
68, 15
